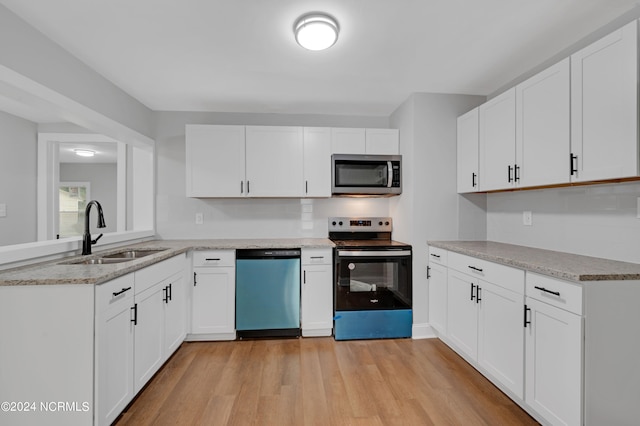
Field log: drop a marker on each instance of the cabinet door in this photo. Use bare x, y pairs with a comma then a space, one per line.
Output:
114, 364
438, 298
543, 124
462, 313
175, 318
316, 309
317, 162
604, 107
274, 160
468, 152
213, 301
501, 336
348, 141
382, 141
498, 142
215, 163
149, 334
554, 363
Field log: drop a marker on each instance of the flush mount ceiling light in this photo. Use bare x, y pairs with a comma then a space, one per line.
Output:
316, 31
84, 152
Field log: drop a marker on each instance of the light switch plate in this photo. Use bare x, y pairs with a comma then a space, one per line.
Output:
199, 218
3, 210
527, 218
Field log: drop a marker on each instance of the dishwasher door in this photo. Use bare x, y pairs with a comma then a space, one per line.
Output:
268, 293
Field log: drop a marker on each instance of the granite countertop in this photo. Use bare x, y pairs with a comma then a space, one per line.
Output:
63, 271
557, 264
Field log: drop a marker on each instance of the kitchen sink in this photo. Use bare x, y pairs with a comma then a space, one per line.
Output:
119, 257
98, 261
132, 254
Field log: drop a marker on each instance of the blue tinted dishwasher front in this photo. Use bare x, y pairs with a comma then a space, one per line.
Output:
268, 293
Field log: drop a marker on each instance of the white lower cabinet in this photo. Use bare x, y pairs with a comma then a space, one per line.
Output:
462, 313
114, 348
213, 295
149, 330
565, 351
316, 310
500, 336
437, 277
554, 363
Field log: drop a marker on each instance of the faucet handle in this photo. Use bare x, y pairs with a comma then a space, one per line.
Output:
96, 240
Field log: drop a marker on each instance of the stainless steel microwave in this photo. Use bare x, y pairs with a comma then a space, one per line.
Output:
355, 174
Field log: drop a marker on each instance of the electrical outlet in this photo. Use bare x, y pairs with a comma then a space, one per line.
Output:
527, 218
638, 211
199, 218
3, 209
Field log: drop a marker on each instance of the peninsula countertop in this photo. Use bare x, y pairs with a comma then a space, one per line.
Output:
557, 264
65, 271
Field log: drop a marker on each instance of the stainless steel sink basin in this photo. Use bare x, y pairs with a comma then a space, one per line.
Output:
132, 254
119, 257
97, 261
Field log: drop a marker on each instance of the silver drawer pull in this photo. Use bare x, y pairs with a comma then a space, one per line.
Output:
317, 257
474, 268
556, 293
435, 255
213, 258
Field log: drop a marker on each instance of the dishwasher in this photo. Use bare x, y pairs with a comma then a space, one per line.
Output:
267, 293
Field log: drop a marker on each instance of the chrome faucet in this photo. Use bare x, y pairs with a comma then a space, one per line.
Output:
86, 239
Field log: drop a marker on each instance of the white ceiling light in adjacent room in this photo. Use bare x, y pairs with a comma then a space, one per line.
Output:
84, 152
316, 31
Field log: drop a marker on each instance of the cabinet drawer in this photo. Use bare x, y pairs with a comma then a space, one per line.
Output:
214, 258
160, 271
317, 256
438, 255
562, 294
504, 276
119, 290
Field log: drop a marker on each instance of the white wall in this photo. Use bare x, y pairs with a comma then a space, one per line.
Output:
38, 58
244, 218
599, 220
18, 143
102, 177
429, 208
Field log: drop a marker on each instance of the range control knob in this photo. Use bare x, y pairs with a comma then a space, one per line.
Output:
333, 223
340, 223
380, 223
387, 223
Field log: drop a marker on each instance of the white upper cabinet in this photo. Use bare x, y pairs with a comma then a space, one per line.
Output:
543, 124
468, 152
274, 161
365, 141
348, 141
215, 161
497, 142
382, 141
604, 107
317, 162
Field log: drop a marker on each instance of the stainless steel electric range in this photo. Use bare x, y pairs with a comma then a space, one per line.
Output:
373, 291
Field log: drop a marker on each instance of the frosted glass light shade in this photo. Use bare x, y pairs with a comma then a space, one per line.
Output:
316, 31
84, 152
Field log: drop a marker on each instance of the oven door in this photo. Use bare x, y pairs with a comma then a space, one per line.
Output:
372, 279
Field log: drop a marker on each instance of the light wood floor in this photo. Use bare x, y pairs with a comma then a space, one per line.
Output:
318, 381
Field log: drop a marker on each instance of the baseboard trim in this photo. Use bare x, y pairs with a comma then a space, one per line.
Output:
422, 331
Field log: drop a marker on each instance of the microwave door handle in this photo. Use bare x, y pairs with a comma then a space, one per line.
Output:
389, 174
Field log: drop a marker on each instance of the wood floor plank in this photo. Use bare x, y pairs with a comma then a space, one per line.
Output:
320, 381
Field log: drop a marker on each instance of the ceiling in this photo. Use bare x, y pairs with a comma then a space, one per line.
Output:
241, 56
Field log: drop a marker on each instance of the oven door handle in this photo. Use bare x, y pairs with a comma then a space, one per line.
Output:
374, 253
